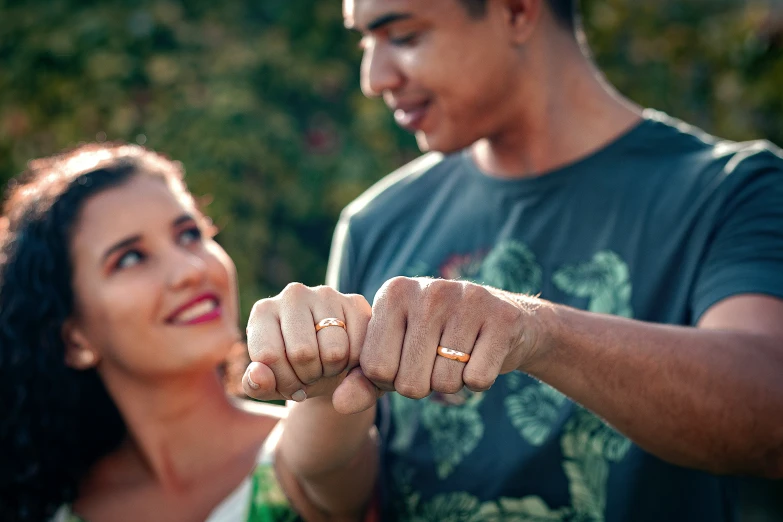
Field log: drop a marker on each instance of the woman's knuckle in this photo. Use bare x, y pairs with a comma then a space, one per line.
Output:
359, 302
303, 354
294, 291
334, 354
323, 291
262, 307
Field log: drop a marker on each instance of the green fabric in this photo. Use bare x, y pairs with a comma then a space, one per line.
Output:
658, 226
266, 501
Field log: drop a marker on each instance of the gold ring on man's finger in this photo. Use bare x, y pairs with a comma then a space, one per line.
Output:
454, 355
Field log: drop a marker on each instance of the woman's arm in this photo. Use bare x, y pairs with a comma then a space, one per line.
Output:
329, 457
333, 457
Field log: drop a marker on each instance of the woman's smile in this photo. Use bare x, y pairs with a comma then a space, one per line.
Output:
201, 309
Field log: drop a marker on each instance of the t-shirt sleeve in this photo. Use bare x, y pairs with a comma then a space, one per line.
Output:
338, 270
745, 252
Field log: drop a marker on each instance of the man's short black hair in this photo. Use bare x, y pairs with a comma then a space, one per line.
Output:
565, 11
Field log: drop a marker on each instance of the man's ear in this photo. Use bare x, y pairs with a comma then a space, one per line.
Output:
79, 354
522, 17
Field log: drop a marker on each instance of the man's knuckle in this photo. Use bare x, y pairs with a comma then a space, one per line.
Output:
508, 313
398, 287
412, 390
378, 373
438, 296
446, 385
474, 292
478, 379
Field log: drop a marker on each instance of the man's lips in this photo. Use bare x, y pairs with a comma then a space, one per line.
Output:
203, 308
410, 116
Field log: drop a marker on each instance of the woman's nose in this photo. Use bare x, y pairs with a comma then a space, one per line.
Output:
185, 269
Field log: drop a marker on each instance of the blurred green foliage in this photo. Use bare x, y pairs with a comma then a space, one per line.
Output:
260, 99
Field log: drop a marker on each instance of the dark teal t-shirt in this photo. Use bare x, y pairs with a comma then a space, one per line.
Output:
657, 226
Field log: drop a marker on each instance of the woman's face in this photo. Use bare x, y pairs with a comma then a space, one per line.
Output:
154, 294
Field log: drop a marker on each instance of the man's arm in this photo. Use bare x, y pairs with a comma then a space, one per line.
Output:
709, 397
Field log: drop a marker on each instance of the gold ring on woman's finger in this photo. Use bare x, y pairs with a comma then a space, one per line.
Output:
454, 355
329, 321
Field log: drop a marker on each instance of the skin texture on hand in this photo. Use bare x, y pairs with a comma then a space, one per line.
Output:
293, 361
413, 316
395, 343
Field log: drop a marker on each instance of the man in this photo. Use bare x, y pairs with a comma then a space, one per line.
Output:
649, 364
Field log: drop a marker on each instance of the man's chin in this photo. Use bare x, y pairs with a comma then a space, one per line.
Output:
434, 143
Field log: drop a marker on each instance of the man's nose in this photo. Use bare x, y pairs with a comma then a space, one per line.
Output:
379, 72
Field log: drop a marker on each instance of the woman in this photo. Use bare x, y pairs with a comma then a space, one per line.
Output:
117, 309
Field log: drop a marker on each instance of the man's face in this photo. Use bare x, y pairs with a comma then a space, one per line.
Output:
444, 74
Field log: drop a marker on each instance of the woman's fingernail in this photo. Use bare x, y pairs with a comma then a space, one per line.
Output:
299, 395
251, 382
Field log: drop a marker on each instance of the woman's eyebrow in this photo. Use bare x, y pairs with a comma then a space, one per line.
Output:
120, 245
184, 218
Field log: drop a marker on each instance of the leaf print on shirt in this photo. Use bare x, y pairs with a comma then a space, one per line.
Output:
605, 281
454, 431
515, 380
404, 413
588, 446
534, 411
587, 434
407, 505
528, 509
511, 266
452, 507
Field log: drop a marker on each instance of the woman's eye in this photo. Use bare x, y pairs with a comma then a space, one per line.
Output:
129, 259
190, 236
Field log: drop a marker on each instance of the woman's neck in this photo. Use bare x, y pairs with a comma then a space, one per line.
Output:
185, 428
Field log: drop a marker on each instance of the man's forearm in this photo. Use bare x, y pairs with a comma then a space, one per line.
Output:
699, 398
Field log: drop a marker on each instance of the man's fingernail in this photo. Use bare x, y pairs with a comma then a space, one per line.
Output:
299, 395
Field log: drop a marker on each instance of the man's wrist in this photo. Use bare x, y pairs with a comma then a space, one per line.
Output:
543, 321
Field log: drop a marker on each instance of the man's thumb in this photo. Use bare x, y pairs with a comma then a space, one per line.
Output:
355, 394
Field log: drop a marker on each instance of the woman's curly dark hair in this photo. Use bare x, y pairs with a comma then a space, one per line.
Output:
56, 422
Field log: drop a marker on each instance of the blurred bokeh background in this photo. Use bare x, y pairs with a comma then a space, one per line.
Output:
260, 101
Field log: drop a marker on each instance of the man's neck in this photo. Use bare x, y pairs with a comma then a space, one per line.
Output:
571, 114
